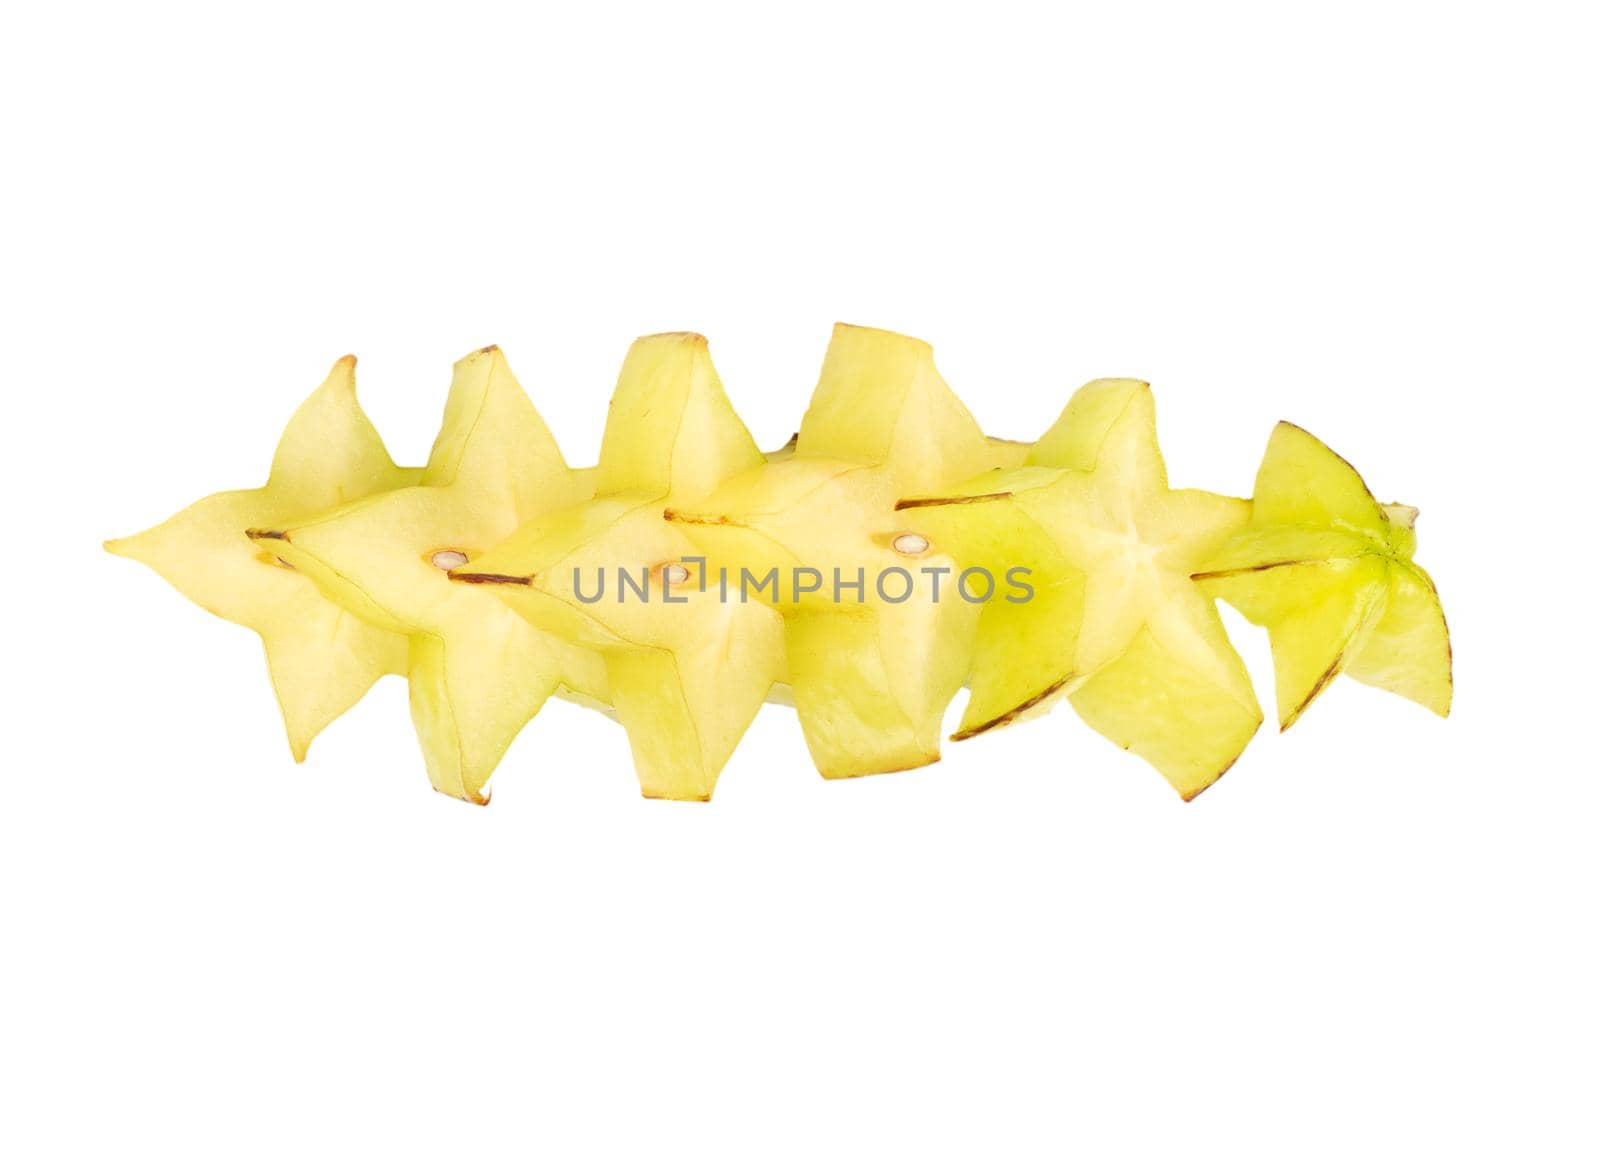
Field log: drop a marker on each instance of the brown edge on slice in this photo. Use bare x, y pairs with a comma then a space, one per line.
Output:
265, 534
489, 578
673, 516
1322, 682
1362, 480
930, 760
1191, 795
1249, 568
1229, 765
948, 501
1014, 712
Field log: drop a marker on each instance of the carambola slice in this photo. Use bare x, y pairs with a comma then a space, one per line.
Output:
477, 671
871, 671
1115, 624
687, 670
321, 658
687, 577
1328, 571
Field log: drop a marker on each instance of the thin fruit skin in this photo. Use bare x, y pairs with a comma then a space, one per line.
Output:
1328, 571
321, 659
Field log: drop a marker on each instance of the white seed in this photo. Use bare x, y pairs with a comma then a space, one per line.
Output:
910, 544
675, 574
447, 559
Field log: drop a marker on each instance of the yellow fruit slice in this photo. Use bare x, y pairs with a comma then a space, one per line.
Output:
687, 670
871, 668
322, 659
1180, 719
670, 429
880, 400
1115, 623
1327, 570
477, 671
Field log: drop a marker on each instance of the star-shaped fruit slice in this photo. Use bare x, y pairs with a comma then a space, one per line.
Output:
477, 671
321, 659
1113, 622
687, 668
1328, 571
878, 640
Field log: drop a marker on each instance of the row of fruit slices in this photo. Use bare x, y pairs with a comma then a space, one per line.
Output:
461, 575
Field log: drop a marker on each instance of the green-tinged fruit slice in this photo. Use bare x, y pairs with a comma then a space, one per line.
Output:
477, 671
687, 670
1328, 571
322, 659
1114, 623
1408, 650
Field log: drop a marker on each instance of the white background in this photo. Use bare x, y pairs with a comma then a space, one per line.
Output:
1374, 938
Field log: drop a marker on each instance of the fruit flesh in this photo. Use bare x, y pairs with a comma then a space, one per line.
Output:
687, 677
477, 672
1116, 625
1328, 571
462, 574
870, 678
321, 659
880, 400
